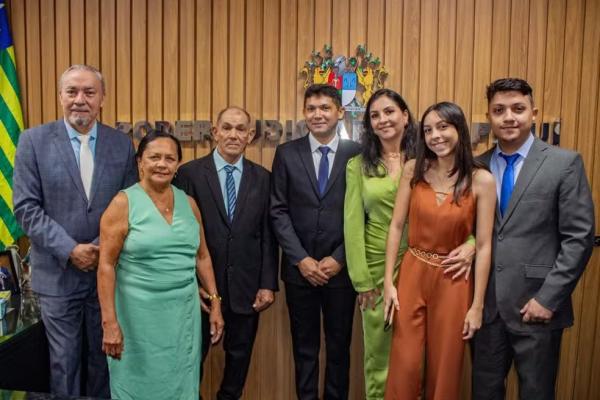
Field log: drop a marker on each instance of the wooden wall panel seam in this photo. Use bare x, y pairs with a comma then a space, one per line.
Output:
211, 57
228, 38
564, 49
245, 53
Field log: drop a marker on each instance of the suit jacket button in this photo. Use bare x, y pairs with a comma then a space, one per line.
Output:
320, 231
500, 237
499, 267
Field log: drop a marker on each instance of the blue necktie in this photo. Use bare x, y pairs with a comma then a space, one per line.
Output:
323, 169
508, 181
230, 189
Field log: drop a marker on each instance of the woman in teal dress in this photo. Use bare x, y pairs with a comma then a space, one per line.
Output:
151, 249
388, 141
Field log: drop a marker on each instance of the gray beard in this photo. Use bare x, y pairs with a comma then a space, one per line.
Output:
80, 122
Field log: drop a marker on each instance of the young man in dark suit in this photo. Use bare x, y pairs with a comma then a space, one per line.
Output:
543, 238
233, 195
307, 207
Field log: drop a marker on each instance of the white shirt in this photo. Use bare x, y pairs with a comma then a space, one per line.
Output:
316, 153
498, 164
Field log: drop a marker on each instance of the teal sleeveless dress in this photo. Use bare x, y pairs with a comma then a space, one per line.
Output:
157, 303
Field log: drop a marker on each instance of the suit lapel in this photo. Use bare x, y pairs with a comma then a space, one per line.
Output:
245, 184
100, 158
212, 178
339, 164
486, 158
531, 165
307, 160
65, 150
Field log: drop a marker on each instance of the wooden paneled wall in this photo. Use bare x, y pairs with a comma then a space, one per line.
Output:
185, 60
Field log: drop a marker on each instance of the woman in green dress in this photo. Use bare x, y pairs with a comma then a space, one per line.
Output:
388, 141
151, 250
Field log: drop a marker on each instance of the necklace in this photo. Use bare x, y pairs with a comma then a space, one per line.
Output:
392, 155
441, 182
392, 164
165, 203
168, 207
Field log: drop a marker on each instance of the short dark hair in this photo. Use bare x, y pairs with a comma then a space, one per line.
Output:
509, 85
151, 136
323, 90
220, 114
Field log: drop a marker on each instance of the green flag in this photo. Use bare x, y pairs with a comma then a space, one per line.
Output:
11, 123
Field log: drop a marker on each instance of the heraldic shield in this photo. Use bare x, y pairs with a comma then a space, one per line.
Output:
349, 85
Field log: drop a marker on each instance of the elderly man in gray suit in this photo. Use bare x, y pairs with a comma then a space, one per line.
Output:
543, 239
66, 172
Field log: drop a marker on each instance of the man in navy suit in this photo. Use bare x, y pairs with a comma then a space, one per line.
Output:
66, 173
307, 211
233, 195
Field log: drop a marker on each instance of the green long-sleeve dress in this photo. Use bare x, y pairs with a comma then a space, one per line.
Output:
157, 303
368, 208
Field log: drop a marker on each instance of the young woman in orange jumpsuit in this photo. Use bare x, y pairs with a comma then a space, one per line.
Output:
444, 193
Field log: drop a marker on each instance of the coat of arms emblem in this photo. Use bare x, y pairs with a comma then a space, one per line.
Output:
356, 77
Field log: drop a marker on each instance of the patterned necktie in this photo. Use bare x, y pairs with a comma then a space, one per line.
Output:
323, 169
230, 189
86, 163
508, 181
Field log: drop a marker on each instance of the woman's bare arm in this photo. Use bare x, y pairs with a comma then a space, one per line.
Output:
114, 226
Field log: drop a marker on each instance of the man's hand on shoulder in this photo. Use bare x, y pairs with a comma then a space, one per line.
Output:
534, 312
330, 266
85, 256
309, 268
264, 298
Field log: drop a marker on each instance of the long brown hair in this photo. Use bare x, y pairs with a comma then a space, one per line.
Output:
464, 163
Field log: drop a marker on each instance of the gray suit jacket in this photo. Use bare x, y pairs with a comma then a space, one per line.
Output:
544, 241
50, 203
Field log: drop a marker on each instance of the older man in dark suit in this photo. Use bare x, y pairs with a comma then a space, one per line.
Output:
233, 195
543, 239
66, 173
307, 207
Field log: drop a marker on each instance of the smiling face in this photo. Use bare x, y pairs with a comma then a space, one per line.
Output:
322, 114
232, 134
440, 136
159, 161
511, 115
81, 98
387, 119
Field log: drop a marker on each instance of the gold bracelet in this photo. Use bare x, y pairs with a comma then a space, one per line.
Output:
214, 296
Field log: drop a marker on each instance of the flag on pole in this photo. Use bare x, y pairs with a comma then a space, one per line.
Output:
11, 123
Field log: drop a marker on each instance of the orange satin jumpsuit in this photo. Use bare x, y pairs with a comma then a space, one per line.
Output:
432, 306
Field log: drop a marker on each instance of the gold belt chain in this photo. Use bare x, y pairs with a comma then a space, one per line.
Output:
427, 257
